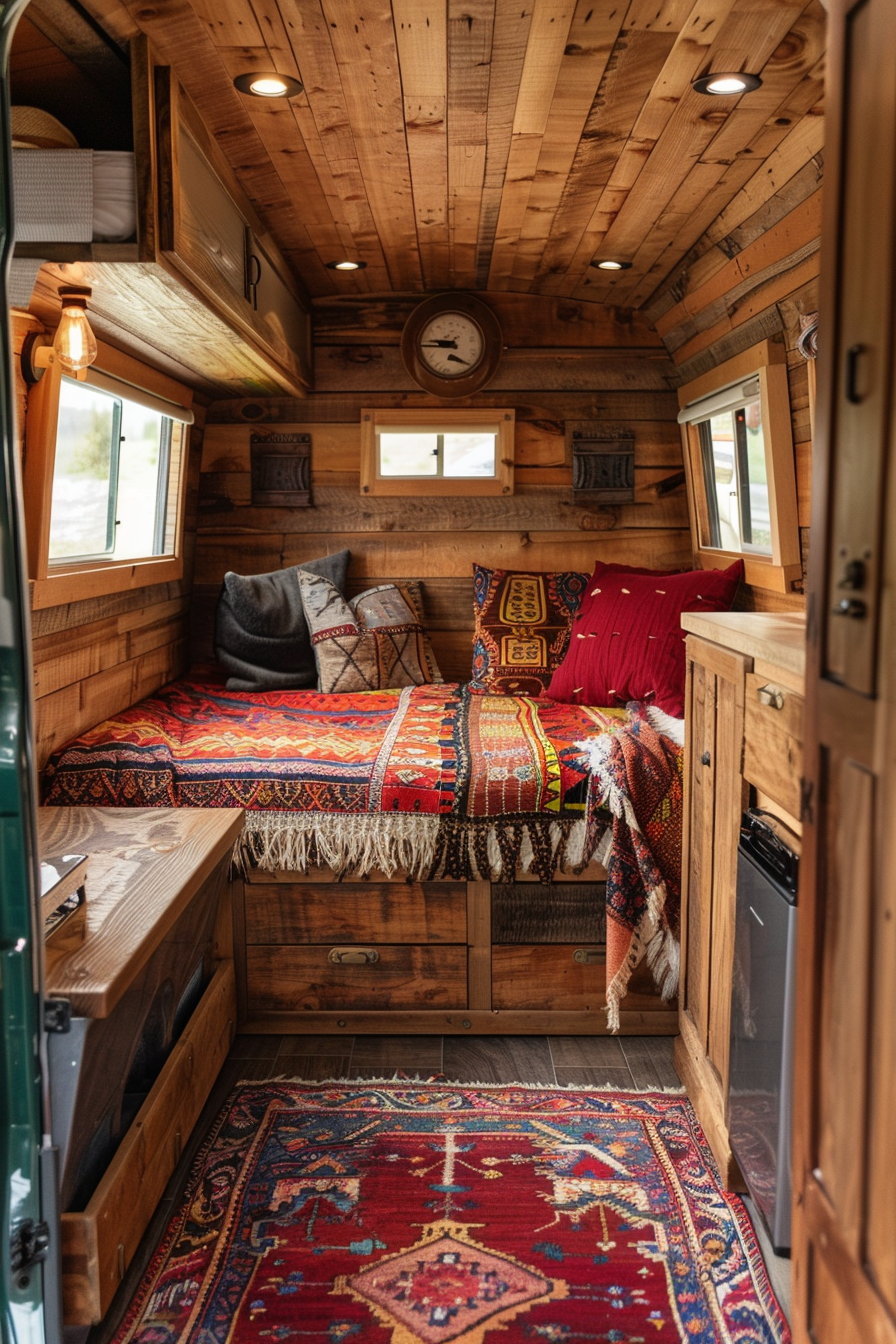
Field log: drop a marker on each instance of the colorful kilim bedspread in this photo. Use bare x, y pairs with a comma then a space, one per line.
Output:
440, 1214
429, 780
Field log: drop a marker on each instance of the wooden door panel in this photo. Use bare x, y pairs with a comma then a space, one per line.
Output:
701, 767
864, 356
726, 832
880, 1249
844, 1252
843, 1025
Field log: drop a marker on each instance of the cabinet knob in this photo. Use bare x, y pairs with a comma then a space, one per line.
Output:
589, 956
353, 956
706, 759
771, 696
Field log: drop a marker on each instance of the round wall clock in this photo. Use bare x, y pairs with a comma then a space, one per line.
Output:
451, 345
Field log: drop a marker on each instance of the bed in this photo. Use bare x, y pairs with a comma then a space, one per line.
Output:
432, 783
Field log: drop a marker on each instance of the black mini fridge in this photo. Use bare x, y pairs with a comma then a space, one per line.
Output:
762, 1012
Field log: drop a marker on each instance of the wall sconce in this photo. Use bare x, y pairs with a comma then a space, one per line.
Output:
74, 343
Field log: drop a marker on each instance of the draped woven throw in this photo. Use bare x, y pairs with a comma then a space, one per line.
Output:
638, 777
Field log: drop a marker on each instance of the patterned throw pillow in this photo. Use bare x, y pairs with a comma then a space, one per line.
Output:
374, 642
522, 627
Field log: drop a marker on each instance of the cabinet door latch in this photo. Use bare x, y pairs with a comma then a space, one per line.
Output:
807, 803
57, 1016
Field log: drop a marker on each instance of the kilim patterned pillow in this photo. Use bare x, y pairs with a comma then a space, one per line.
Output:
374, 642
522, 627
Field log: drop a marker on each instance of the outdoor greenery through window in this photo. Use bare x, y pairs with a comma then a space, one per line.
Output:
115, 477
422, 452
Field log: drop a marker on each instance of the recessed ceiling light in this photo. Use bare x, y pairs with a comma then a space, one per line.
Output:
610, 264
346, 265
726, 82
268, 85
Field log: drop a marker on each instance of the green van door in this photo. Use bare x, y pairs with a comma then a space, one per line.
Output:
29, 1238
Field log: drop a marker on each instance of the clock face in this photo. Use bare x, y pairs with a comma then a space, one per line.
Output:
451, 345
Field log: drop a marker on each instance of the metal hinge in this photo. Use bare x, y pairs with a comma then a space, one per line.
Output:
30, 1244
57, 1016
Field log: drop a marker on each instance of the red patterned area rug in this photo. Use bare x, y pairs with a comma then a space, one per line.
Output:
416, 1213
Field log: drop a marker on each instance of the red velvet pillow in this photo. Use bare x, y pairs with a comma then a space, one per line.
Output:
627, 641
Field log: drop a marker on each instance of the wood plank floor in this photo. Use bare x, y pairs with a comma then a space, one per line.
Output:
636, 1062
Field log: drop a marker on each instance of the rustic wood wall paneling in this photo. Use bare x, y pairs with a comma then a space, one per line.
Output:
737, 287
568, 361
96, 657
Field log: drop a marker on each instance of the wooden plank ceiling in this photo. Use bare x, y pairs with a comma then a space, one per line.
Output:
497, 144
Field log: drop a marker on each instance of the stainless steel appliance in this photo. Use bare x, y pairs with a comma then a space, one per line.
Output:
762, 1012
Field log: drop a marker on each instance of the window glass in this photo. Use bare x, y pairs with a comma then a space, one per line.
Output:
114, 479
410, 454
458, 453
736, 479
470, 454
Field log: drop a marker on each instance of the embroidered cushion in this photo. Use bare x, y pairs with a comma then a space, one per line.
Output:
522, 627
261, 635
374, 642
627, 642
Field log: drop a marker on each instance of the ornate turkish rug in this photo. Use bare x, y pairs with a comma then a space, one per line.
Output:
430, 1213
429, 780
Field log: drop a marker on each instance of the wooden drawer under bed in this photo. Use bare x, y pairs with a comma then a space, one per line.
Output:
318, 955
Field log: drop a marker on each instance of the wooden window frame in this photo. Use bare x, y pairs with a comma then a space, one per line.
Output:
503, 420
53, 585
778, 572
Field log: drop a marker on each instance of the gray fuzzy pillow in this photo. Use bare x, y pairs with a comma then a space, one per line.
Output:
261, 635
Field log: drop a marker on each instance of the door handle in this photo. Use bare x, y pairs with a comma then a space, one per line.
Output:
851, 606
853, 355
253, 275
771, 696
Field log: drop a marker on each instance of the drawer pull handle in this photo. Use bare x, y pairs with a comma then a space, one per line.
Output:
769, 695
589, 956
353, 956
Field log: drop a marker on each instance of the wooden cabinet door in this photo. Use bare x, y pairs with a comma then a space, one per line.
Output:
844, 1265
714, 798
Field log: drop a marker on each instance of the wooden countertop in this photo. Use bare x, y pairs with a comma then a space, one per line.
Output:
773, 637
145, 866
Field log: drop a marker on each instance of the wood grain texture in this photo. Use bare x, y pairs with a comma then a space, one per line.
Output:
501, 147
406, 912
146, 866
98, 1244
302, 977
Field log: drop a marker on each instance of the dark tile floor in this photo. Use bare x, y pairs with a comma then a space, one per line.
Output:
591, 1061
636, 1062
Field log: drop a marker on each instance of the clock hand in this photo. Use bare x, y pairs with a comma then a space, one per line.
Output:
457, 359
441, 345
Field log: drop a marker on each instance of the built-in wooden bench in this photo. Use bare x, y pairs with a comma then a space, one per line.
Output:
152, 991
